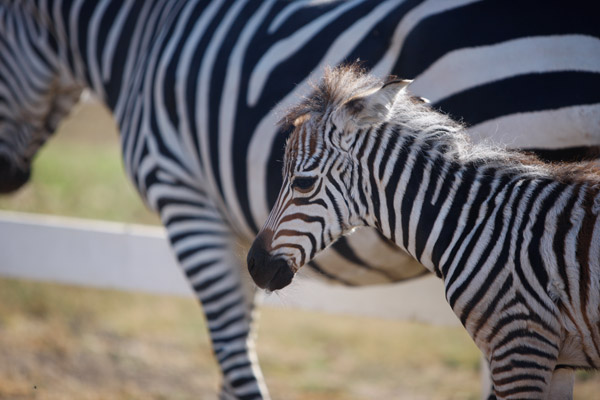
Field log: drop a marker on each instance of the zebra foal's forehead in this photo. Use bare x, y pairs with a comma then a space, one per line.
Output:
301, 145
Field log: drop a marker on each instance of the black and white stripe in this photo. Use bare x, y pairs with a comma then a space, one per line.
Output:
516, 241
196, 88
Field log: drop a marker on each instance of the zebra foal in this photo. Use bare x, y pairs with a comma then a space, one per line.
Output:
516, 241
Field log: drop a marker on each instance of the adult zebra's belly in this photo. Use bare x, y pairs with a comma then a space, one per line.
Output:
363, 258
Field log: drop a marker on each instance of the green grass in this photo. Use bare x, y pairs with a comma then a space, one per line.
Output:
80, 173
63, 342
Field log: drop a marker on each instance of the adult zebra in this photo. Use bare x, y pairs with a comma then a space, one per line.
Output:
192, 85
516, 241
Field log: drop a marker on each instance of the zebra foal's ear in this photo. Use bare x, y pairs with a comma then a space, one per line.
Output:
374, 106
364, 110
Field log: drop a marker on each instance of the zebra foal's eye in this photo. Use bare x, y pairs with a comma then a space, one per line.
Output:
304, 183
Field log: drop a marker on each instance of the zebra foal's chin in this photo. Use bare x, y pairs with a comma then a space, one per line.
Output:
515, 241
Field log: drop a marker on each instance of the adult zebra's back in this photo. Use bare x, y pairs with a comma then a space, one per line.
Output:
197, 86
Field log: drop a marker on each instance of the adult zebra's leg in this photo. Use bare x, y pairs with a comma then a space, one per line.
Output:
205, 248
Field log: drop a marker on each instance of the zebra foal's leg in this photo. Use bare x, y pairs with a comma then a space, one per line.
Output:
205, 248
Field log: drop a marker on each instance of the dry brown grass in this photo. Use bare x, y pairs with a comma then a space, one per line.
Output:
60, 342
63, 342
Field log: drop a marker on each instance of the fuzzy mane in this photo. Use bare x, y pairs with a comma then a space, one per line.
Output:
337, 85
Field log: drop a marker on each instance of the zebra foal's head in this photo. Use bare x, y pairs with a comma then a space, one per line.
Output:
324, 182
35, 91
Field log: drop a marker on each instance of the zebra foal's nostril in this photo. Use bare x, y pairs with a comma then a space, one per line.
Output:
251, 264
256, 261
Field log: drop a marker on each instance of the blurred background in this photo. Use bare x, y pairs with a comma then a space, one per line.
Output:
66, 342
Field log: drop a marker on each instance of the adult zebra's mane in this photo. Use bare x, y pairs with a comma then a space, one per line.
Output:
437, 131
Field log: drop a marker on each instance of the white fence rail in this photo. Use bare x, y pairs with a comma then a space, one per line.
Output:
138, 258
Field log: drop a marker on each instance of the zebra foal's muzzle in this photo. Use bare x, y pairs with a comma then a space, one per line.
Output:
270, 273
11, 177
